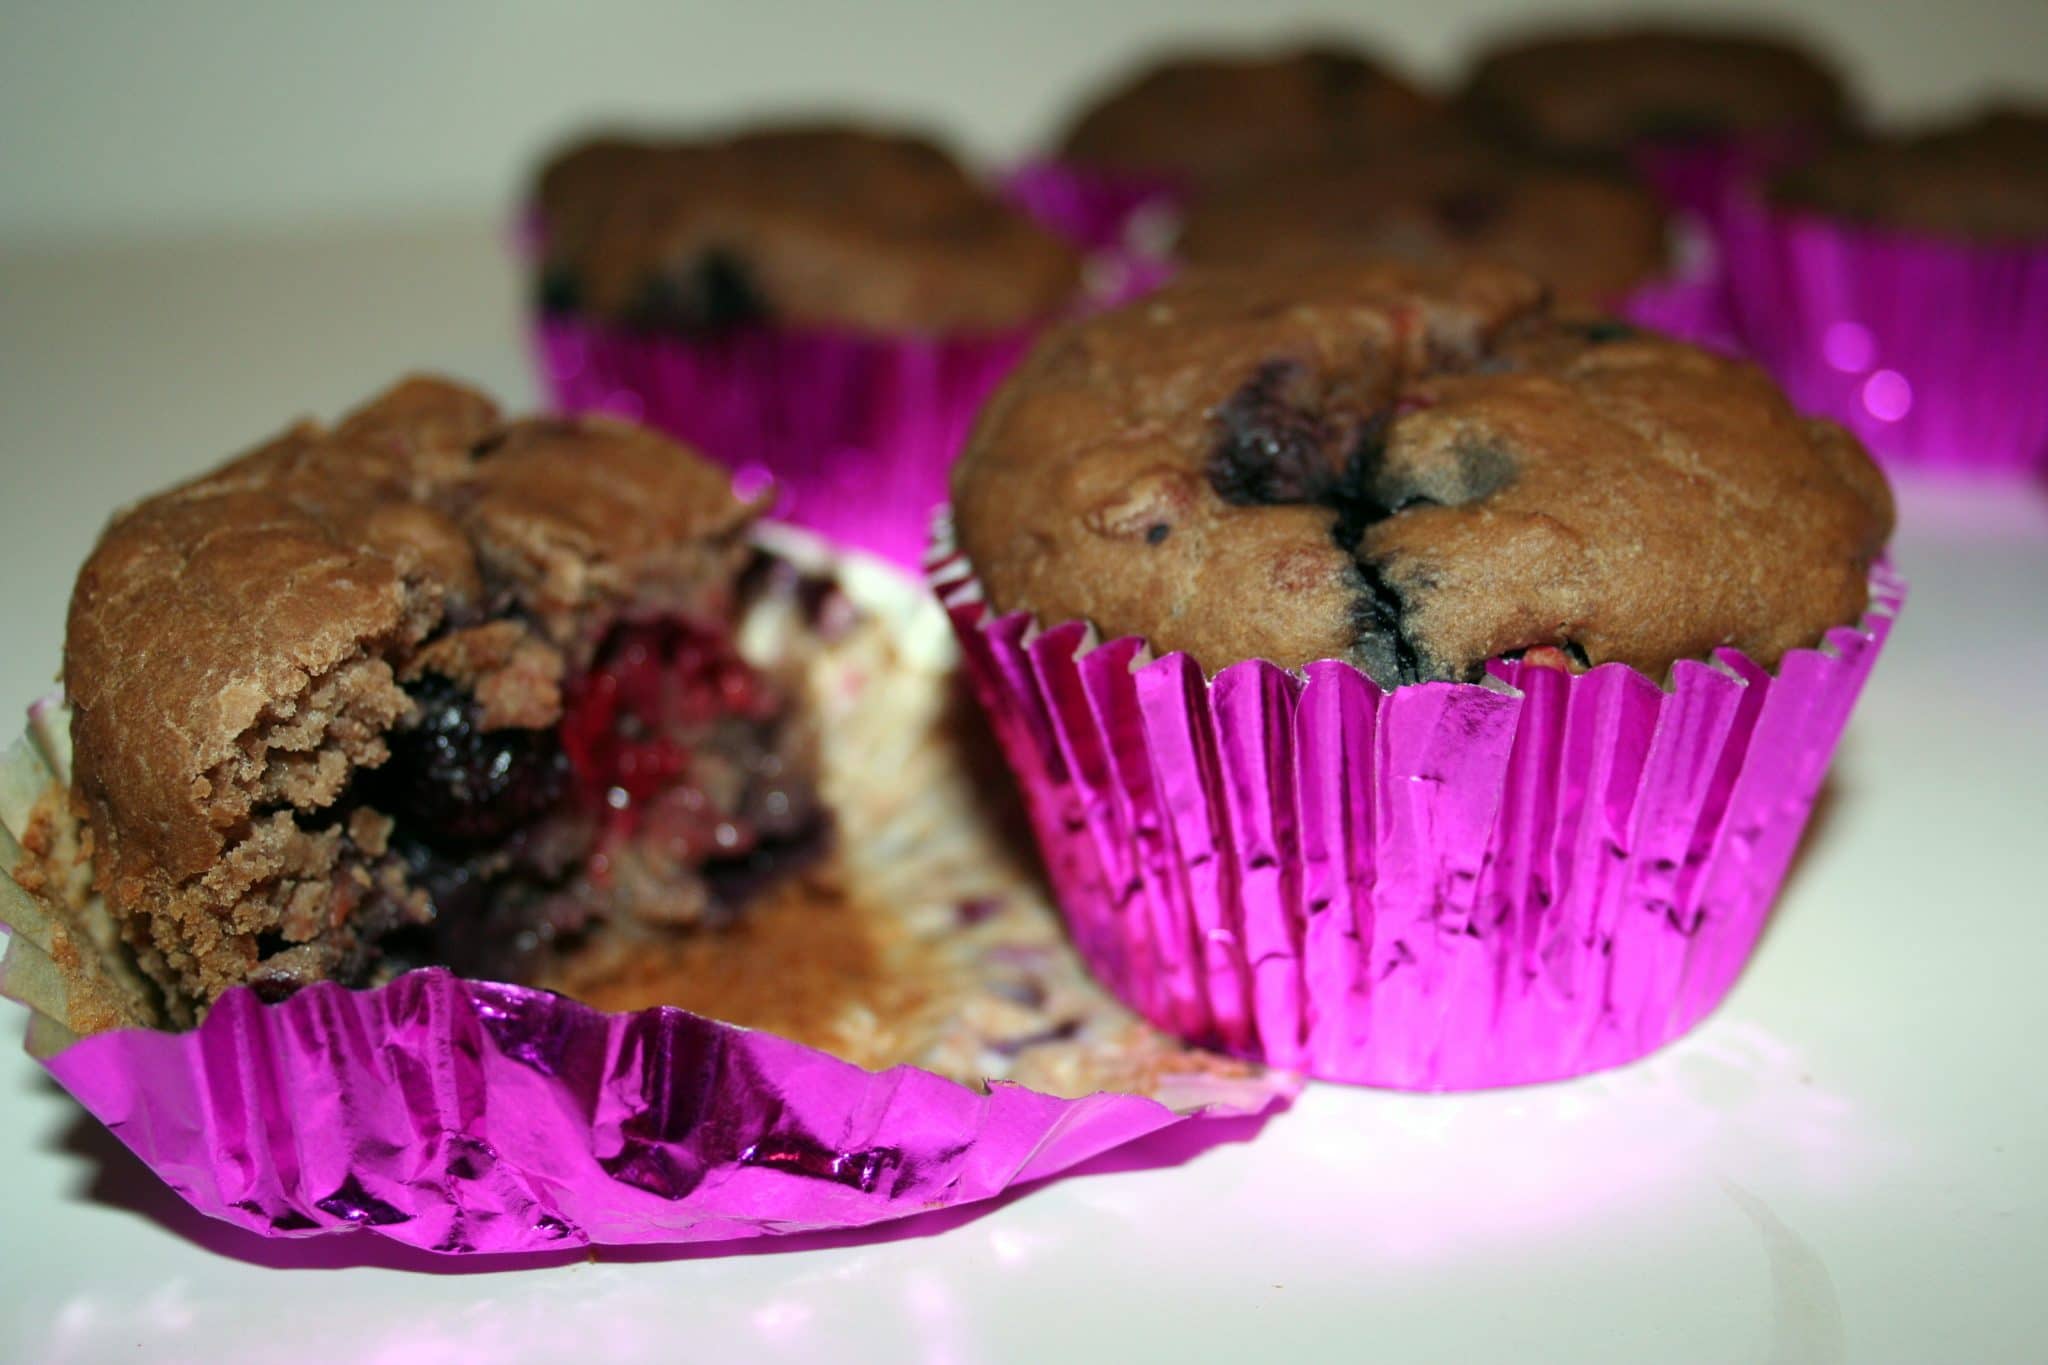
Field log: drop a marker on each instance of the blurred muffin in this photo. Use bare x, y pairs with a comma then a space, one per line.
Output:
1201, 117
1594, 94
1981, 179
804, 225
1591, 237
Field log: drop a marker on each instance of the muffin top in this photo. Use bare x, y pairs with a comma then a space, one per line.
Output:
1985, 179
1591, 94
825, 226
1438, 199
1412, 469
1203, 116
213, 616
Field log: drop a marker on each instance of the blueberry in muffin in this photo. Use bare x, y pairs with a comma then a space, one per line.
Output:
429, 685
1204, 116
1589, 95
804, 225
1415, 470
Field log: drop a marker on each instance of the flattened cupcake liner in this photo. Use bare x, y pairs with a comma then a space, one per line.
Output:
467, 1116
1103, 211
854, 433
1931, 351
1442, 887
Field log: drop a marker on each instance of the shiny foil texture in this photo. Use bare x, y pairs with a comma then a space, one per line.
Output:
1097, 210
853, 433
1933, 352
1442, 887
465, 1116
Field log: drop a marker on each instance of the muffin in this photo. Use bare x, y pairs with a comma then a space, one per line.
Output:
1984, 179
1695, 112
427, 686
1594, 95
814, 305
1499, 657
530, 698
1202, 117
1901, 286
1591, 237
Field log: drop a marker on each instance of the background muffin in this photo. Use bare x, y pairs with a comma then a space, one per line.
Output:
1982, 179
1203, 116
1594, 94
1590, 236
821, 308
818, 225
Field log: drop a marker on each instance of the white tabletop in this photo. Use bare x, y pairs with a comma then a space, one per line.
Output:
1847, 1162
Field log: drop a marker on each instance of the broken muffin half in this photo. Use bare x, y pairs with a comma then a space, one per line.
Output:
431, 685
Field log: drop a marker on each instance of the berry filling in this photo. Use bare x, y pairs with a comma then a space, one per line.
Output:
676, 784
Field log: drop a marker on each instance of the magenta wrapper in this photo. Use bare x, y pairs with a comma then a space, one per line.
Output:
1934, 352
1699, 175
462, 1116
1447, 886
854, 433
1096, 210
1692, 307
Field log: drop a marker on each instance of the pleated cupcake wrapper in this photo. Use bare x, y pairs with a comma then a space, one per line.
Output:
466, 1116
1446, 886
1702, 175
853, 433
1101, 211
1932, 352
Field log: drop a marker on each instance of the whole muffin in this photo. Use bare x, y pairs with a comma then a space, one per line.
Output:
1590, 237
426, 686
1592, 94
1199, 117
802, 225
1982, 179
1413, 470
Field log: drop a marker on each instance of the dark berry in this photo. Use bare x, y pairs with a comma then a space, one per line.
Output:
1607, 330
560, 290
451, 782
1157, 533
714, 293
1468, 212
1269, 442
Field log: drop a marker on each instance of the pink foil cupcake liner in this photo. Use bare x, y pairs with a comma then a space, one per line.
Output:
1932, 352
1102, 211
854, 433
1442, 887
464, 1116
1700, 175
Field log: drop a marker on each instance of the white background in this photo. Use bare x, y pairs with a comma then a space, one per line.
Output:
1849, 1162
127, 116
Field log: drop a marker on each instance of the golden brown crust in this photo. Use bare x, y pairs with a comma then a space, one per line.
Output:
236, 645
1415, 470
810, 225
1983, 179
1438, 199
1208, 116
1593, 93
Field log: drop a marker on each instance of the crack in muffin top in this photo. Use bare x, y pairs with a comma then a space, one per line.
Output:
1415, 470
821, 225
